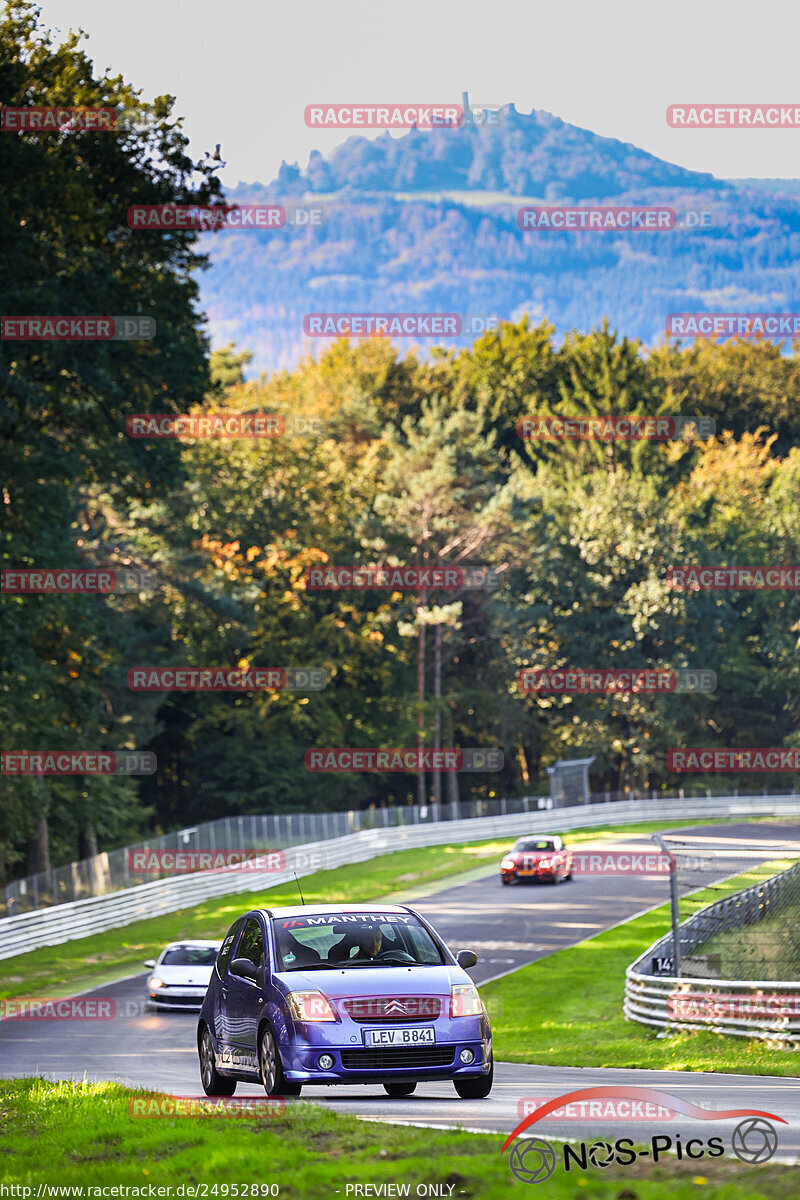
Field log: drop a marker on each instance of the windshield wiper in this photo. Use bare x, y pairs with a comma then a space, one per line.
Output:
320, 966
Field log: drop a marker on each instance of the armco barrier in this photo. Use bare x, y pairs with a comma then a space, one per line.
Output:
80, 918
110, 871
648, 997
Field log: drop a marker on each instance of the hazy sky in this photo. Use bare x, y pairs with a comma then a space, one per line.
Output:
243, 71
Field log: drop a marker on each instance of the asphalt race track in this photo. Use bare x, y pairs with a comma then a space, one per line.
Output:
508, 927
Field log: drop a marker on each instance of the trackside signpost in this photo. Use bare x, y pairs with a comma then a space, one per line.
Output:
667, 964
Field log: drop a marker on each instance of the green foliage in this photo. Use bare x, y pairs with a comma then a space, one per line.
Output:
68, 469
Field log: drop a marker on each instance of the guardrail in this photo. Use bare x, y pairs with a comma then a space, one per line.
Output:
110, 871
81, 918
767, 1009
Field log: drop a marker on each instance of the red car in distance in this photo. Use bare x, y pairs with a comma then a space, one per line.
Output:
537, 858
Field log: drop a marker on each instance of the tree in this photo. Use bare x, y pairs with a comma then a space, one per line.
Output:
439, 498
63, 454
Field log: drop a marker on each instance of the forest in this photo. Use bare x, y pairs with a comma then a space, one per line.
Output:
385, 458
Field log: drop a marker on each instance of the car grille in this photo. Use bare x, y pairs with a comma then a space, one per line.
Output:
178, 1001
365, 1009
377, 1060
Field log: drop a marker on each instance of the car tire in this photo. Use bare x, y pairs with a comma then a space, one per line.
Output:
213, 1083
505, 882
271, 1067
475, 1087
398, 1090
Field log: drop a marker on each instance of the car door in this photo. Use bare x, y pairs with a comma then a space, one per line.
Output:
245, 999
218, 995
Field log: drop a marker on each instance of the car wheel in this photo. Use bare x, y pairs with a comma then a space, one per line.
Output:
476, 1087
396, 1090
271, 1067
213, 1083
505, 882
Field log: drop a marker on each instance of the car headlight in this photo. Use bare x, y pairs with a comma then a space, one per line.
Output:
507, 864
465, 1001
309, 1006
155, 982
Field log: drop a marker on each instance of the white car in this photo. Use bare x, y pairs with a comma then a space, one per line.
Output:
180, 974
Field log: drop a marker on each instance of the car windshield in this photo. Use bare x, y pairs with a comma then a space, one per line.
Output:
542, 844
353, 940
190, 956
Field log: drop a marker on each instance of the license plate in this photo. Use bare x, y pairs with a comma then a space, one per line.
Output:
527, 872
399, 1037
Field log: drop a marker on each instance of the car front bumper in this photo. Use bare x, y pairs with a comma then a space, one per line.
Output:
356, 1062
177, 997
544, 873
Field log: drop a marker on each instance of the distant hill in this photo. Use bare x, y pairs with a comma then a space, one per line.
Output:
428, 222
538, 154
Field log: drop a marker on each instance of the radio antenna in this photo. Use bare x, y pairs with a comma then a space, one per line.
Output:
300, 890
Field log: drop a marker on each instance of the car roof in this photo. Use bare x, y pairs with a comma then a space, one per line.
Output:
539, 837
191, 943
297, 910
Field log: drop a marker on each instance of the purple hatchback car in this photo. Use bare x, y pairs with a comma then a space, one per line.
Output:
342, 994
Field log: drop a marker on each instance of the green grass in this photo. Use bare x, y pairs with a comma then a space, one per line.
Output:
566, 1009
104, 957
82, 1135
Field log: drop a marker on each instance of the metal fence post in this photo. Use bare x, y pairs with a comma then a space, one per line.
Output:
673, 904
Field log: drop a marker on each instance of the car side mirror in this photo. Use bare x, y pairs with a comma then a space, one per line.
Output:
244, 968
466, 959
150, 962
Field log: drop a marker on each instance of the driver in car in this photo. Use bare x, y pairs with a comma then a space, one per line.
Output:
370, 940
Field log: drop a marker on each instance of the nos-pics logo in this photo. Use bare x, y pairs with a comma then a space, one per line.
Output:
533, 1160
